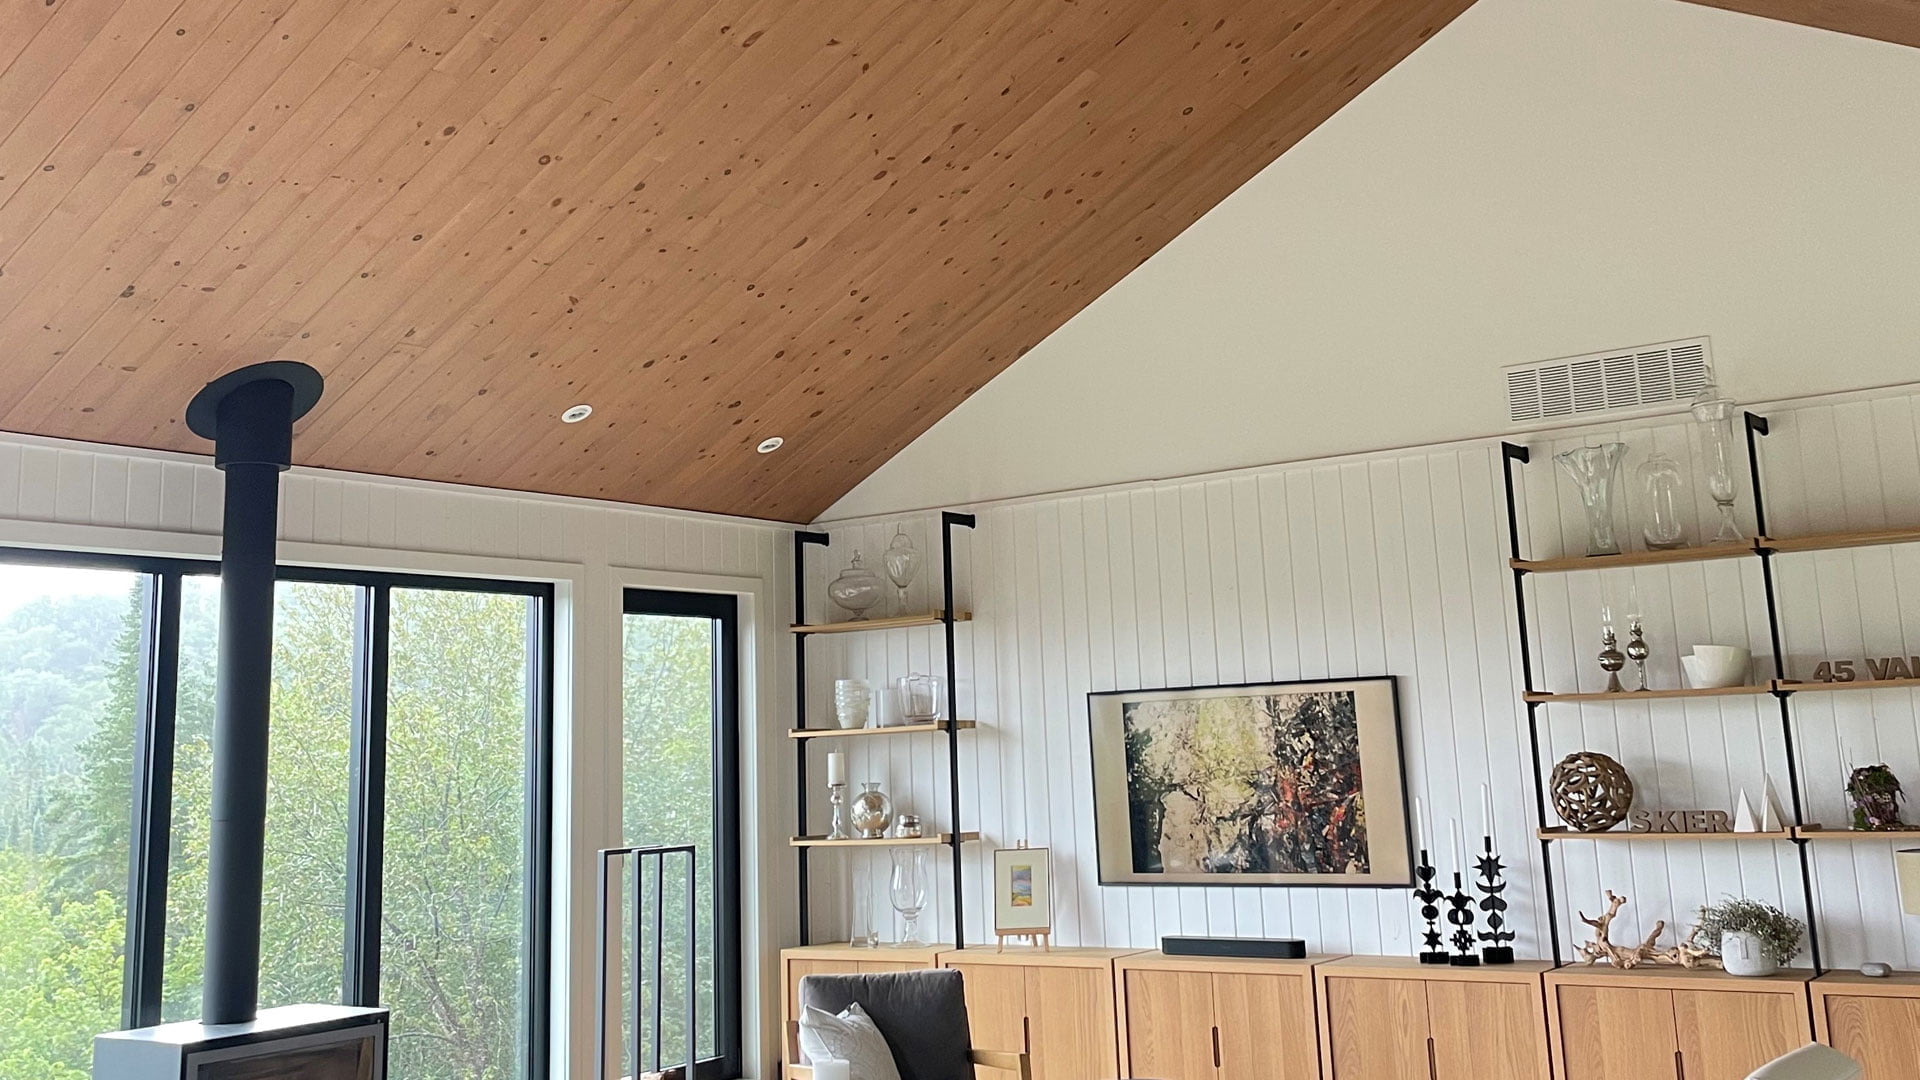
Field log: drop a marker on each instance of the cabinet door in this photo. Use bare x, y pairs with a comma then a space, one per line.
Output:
1169, 1024
1617, 1033
1726, 1034
1266, 1027
1377, 1029
1070, 1021
996, 1005
1486, 1031
1881, 1033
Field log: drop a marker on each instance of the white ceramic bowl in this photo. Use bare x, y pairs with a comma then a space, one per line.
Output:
1717, 665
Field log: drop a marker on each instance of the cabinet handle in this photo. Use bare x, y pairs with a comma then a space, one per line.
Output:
1026, 1034
1433, 1070
1216, 1046
1679, 1065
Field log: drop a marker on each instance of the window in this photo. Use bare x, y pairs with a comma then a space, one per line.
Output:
680, 728
407, 808
71, 669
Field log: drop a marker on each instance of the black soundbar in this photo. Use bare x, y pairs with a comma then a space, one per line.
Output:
1264, 948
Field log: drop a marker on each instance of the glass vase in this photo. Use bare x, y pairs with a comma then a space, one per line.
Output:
902, 562
1714, 413
912, 867
872, 812
1663, 486
1594, 468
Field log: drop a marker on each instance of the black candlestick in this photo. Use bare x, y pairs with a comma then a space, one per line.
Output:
1462, 919
1429, 897
1496, 938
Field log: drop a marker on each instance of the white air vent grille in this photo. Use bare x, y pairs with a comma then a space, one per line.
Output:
1646, 379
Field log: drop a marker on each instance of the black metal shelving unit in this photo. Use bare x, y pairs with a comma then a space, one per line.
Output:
1780, 687
948, 617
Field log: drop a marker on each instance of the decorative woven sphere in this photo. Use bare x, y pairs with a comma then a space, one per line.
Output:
1591, 792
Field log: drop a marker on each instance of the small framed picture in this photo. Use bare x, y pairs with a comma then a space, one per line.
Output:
1022, 891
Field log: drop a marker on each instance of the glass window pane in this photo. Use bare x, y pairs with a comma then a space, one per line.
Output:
667, 797
303, 902
70, 671
453, 935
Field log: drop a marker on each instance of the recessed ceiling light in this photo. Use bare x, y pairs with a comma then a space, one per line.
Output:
768, 446
576, 414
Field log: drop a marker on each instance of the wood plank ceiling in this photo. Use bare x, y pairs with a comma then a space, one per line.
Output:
1897, 21
829, 220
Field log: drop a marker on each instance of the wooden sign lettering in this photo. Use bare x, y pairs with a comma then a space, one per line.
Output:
1886, 667
1679, 821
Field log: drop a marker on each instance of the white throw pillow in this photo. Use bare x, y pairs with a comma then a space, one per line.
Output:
850, 1037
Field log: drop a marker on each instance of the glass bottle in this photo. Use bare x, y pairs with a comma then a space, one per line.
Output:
1663, 485
1715, 414
911, 869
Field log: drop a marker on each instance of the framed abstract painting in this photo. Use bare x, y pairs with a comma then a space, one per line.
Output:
1297, 783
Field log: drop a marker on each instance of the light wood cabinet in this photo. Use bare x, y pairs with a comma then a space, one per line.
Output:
1671, 1023
1057, 1004
1215, 1018
1393, 1018
842, 959
1874, 1021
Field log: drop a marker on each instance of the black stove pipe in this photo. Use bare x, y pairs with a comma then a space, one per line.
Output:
249, 415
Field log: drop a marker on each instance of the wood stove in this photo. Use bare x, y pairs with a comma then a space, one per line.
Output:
249, 415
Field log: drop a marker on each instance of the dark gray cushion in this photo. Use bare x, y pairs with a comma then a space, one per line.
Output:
923, 1015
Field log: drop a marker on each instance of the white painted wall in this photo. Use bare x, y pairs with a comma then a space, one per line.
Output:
1395, 563
75, 496
1545, 178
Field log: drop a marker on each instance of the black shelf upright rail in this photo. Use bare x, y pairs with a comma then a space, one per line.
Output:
1510, 455
949, 521
801, 539
1756, 428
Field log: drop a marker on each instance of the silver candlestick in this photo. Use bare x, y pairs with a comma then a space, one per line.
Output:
837, 795
1637, 652
1611, 660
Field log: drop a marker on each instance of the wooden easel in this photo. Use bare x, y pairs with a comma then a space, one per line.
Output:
1042, 939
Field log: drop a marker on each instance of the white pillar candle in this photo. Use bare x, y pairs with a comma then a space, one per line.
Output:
832, 1070
836, 768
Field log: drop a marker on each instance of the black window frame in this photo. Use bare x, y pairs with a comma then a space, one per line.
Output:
728, 949
151, 812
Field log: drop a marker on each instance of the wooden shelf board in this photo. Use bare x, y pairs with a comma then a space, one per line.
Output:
1819, 832
1651, 695
897, 729
1570, 563
1662, 837
931, 840
1793, 687
1840, 540
896, 622
1665, 976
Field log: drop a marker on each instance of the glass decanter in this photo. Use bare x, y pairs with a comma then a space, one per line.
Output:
1594, 469
1715, 415
912, 867
856, 589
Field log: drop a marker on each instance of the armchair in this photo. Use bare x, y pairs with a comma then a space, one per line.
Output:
923, 1017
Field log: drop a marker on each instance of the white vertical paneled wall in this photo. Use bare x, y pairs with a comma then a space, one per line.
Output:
1395, 564
65, 495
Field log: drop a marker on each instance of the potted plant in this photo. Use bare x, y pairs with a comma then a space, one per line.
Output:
1751, 938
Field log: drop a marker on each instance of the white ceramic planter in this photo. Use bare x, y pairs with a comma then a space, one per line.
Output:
1743, 954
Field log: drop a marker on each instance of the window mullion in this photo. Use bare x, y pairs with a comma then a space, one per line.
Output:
150, 850
367, 790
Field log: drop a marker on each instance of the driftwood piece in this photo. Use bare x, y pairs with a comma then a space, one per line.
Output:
1620, 956
1689, 954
